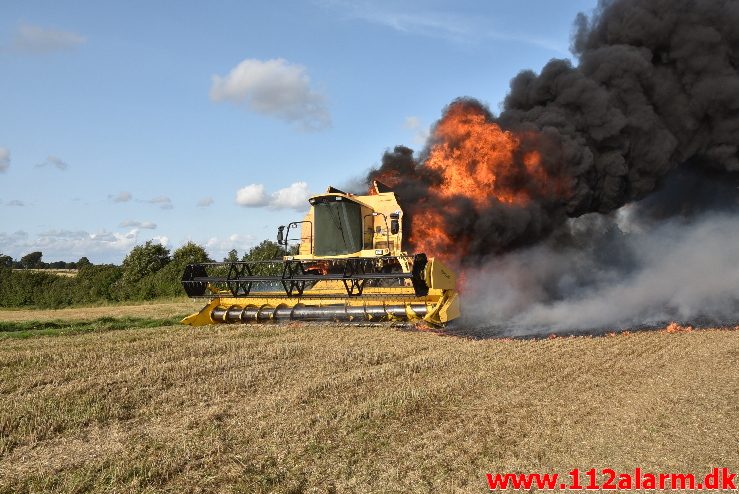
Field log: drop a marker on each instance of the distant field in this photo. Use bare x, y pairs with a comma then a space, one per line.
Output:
156, 309
329, 408
59, 272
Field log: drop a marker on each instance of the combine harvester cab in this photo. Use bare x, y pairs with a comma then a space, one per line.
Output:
349, 267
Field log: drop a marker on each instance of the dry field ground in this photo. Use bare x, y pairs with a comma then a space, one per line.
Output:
328, 408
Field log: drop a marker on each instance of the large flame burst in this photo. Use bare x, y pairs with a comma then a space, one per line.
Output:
475, 165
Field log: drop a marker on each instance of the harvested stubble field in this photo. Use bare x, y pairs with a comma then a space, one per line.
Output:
329, 408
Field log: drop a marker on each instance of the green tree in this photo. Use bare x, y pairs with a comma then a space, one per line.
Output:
99, 282
144, 260
31, 260
6, 261
233, 256
265, 251
190, 253
83, 262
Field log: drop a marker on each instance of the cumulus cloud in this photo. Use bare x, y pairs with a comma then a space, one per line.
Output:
9, 242
146, 225
55, 162
252, 196
163, 202
163, 240
219, 247
276, 88
294, 196
4, 159
34, 39
121, 197
205, 202
102, 246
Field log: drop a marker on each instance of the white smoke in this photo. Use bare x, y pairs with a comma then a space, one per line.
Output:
611, 273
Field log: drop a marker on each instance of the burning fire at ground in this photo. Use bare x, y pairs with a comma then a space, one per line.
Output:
674, 327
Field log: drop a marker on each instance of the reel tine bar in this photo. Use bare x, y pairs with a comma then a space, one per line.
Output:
296, 274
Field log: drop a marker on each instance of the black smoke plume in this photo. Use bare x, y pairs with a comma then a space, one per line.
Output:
656, 86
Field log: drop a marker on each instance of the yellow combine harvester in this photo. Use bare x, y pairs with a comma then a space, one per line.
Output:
349, 267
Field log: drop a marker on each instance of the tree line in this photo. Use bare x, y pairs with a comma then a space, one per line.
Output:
148, 272
32, 260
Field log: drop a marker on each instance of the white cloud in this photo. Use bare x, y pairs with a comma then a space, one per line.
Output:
145, 225
219, 247
251, 196
69, 234
161, 240
420, 132
448, 25
293, 197
102, 246
445, 25
55, 162
34, 39
205, 202
15, 202
4, 159
276, 88
163, 202
121, 197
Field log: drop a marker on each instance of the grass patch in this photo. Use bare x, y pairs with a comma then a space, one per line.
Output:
28, 329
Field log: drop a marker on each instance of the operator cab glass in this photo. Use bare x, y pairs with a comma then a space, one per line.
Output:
338, 226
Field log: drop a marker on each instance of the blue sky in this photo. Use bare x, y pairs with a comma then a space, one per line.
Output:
122, 122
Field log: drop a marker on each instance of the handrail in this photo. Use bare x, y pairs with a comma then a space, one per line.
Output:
295, 224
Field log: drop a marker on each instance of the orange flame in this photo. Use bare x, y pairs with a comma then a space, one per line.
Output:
675, 327
478, 161
470, 154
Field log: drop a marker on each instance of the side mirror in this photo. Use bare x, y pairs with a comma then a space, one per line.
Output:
281, 236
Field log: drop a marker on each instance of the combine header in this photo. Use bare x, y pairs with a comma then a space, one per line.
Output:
349, 267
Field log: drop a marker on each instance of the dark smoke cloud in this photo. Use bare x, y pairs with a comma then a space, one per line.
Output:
656, 86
